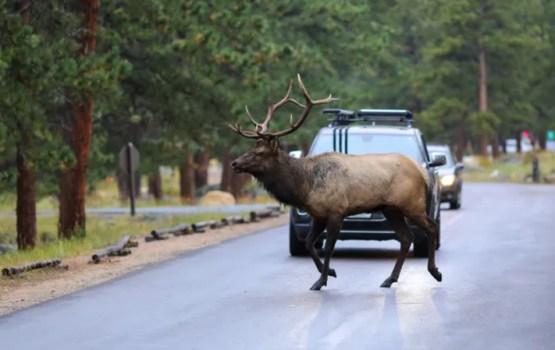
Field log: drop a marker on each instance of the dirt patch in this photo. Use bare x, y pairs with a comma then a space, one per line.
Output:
41, 285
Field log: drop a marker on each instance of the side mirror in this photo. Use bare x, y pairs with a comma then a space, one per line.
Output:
296, 154
459, 167
438, 159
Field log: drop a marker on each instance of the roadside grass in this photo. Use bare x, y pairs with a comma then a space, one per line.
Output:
101, 231
105, 195
516, 168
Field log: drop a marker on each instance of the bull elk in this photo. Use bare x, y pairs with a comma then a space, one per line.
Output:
332, 186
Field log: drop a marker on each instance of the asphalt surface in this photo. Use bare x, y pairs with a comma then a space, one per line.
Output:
498, 292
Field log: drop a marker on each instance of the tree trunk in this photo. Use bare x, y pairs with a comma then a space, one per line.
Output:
73, 181
187, 181
26, 181
518, 142
483, 87
461, 141
542, 139
225, 182
495, 145
26, 205
155, 185
238, 182
137, 184
202, 160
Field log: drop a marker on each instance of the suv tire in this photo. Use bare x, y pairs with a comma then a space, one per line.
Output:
455, 204
420, 247
296, 246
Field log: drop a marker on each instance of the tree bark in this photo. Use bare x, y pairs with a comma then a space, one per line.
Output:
518, 142
461, 141
26, 205
73, 181
202, 160
155, 185
225, 182
542, 139
26, 181
187, 187
238, 182
495, 145
483, 98
137, 184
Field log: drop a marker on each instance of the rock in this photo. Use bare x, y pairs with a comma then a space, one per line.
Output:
6, 248
217, 198
550, 179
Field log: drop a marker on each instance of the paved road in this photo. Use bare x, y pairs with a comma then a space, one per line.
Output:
497, 259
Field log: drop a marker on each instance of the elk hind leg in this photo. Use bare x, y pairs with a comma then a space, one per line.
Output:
405, 236
430, 227
318, 226
334, 226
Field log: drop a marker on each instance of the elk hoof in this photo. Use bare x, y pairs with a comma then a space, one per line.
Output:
436, 274
332, 273
318, 284
388, 282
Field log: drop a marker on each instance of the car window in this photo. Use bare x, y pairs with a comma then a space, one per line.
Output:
372, 143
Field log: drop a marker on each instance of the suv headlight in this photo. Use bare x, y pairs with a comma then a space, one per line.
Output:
447, 180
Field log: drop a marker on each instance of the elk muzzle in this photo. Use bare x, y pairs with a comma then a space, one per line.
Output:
240, 164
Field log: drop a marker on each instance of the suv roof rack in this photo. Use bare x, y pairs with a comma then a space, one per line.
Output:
346, 117
342, 116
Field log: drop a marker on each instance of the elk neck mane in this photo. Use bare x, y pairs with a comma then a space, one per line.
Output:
288, 180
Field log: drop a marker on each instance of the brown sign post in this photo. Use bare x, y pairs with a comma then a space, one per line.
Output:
128, 160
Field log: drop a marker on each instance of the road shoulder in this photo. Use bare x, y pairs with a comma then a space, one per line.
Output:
39, 286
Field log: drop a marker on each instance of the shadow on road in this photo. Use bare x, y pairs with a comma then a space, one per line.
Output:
366, 253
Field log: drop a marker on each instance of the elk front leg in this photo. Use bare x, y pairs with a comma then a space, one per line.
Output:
334, 226
318, 226
397, 221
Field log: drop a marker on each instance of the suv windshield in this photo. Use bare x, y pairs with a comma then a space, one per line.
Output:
372, 143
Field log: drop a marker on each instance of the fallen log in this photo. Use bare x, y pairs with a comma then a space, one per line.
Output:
200, 227
217, 224
122, 252
275, 208
11, 271
261, 214
235, 219
182, 229
131, 244
152, 238
119, 245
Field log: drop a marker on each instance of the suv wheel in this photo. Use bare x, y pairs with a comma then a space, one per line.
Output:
456, 204
420, 247
296, 246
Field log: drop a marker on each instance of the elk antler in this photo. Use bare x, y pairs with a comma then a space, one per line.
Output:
260, 130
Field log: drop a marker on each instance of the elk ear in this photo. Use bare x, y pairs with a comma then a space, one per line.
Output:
274, 145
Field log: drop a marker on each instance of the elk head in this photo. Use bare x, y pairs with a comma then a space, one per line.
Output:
266, 152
